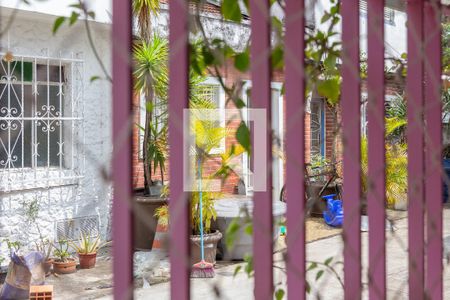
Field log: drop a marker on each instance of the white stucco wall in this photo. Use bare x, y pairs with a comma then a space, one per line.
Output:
30, 34
395, 33
102, 8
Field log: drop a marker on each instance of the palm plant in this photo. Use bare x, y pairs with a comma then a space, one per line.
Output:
151, 78
396, 171
87, 244
142, 10
208, 135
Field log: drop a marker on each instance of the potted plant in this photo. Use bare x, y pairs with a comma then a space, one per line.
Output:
63, 263
151, 81
87, 249
208, 136
211, 238
45, 247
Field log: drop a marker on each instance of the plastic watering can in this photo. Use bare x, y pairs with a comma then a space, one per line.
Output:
334, 214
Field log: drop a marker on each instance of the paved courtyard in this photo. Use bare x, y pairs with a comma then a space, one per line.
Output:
328, 286
96, 283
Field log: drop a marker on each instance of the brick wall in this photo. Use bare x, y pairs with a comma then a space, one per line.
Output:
232, 76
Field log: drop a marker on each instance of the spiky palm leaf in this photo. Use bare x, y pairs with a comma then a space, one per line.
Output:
142, 11
150, 69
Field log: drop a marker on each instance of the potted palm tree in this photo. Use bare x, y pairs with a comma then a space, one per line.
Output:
150, 78
208, 136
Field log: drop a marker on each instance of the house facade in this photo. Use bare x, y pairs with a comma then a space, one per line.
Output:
55, 123
320, 120
55, 128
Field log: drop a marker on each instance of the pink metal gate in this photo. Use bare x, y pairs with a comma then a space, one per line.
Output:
424, 132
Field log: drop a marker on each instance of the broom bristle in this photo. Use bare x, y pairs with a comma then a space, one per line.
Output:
202, 269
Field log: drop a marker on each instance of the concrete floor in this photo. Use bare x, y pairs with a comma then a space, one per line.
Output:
95, 283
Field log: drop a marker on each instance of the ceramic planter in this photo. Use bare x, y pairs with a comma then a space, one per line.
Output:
87, 261
210, 246
145, 221
65, 267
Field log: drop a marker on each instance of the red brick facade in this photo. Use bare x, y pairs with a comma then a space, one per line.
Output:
232, 76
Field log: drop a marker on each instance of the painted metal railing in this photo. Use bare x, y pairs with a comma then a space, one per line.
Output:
424, 132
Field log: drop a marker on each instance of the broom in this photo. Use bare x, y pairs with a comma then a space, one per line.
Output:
201, 269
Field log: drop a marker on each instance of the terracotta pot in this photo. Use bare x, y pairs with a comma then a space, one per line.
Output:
145, 221
67, 267
48, 266
210, 245
87, 261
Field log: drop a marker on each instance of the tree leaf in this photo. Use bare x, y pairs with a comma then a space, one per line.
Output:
249, 229
239, 103
328, 261
279, 294
91, 14
312, 266
236, 270
76, 5
319, 274
308, 287
231, 10
242, 61
249, 266
243, 136
58, 22
330, 89
73, 18
232, 230
277, 58
94, 78
325, 18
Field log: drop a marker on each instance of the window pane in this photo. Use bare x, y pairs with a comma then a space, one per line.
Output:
17, 69
54, 73
316, 127
27, 144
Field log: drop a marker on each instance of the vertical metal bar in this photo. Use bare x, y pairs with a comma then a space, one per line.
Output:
295, 147
48, 120
34, 147
122, 145
433, 163
415, 136
261, 98
179, 250
23, 115
9, 122
60, 148
376, 196
350, 98
72, 83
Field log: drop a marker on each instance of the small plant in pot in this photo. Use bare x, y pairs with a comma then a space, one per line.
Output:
208, 136
45, 247
87, 249
211, 238
63, 263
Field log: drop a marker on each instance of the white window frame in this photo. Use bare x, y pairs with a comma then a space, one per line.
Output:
71, 136
214, 81
364, 121
277, 164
